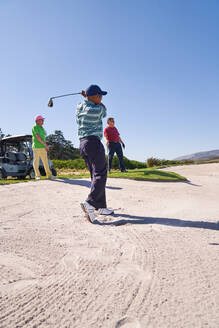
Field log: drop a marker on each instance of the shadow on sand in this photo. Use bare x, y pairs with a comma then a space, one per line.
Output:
132, 219
86, 183
81, 182
192, 184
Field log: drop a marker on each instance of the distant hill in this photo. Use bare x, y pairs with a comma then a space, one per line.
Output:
201, 155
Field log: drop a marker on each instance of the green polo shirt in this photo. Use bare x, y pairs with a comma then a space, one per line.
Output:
42, 133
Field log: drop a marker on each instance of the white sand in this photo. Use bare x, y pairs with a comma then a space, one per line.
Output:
154, 264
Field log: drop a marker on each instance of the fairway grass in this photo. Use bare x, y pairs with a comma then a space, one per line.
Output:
148, 174
11, 181
138, 174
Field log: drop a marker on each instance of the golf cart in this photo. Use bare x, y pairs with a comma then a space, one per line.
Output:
16, 158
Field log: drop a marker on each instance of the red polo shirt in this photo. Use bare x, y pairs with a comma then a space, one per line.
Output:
112, 134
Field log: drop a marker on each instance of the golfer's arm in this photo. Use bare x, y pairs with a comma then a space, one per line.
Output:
106, 138
104, 110
40, 140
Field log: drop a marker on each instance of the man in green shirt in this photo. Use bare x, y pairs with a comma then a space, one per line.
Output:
40, 147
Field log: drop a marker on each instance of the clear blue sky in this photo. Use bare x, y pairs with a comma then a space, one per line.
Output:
158, 60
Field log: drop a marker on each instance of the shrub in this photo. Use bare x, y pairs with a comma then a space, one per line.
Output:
79, 164
129, 164
153, 162
164, 162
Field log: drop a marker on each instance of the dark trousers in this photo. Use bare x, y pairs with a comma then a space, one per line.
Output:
92, 151
115, 147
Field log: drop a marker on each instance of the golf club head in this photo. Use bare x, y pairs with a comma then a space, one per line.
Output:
50, 103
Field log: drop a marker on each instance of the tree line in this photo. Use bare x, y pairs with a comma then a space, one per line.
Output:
60, 148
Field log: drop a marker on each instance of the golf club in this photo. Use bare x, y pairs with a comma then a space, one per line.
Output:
50, 103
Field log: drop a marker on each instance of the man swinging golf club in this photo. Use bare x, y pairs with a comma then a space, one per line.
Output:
89, 116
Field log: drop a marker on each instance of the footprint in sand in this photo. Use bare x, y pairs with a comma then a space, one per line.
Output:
128, 323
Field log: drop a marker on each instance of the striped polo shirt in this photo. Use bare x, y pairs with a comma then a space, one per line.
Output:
89, 118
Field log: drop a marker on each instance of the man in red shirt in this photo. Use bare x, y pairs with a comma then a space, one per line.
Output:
113, 142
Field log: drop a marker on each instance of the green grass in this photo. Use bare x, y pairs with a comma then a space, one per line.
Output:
137, 174
10, 181
15, 180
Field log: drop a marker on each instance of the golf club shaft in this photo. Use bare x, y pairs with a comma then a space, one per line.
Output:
69, 94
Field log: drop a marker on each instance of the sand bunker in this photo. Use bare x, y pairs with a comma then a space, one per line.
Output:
153, 264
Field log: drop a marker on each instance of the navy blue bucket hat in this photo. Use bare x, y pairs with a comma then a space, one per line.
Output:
93, 90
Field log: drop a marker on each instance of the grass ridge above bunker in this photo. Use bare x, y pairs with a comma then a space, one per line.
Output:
136, 174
